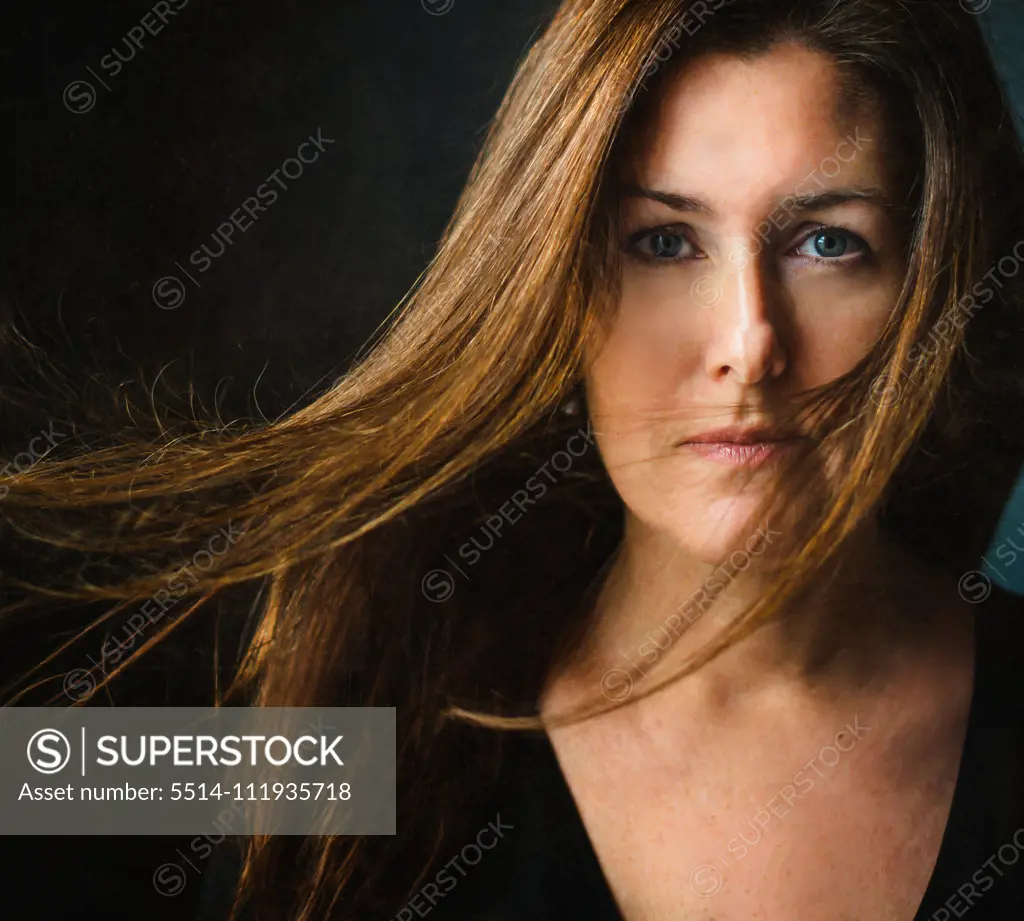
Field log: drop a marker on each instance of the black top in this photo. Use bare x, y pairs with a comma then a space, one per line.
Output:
533, 860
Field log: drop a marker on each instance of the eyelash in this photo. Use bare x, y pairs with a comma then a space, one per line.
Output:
675, 230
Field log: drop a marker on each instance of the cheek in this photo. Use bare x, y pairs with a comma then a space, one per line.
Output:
835, 325
650, 345
643, 370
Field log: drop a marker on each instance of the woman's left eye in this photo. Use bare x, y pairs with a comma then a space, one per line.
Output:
829, 244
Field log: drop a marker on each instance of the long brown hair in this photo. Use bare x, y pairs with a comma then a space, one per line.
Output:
350, 508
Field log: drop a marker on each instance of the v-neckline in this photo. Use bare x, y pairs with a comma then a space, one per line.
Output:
593, 885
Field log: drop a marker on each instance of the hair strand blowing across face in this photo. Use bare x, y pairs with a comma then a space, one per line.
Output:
341, 507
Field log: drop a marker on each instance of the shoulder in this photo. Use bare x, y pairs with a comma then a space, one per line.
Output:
219, 883
997, 712
992, 770
1000, 638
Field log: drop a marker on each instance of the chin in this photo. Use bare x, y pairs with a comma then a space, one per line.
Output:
712, 529
706, 527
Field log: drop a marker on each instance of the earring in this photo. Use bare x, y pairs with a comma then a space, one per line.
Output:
572, 405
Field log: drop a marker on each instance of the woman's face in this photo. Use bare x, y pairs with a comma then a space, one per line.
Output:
760, 259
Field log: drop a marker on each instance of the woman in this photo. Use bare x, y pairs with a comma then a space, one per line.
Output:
643, 514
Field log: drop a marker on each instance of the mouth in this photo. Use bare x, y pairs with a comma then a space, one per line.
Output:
742, 447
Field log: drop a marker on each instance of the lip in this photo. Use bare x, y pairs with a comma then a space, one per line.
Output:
739, 446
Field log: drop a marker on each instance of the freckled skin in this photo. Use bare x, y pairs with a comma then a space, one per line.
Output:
742, 137
666, 785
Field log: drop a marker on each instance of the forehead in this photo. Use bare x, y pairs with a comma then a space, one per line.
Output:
731, 128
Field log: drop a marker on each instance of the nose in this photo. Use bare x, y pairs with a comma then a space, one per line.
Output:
745, 342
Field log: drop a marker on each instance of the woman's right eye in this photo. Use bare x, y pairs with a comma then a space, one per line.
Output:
662, 245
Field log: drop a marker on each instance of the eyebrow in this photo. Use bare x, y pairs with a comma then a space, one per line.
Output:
818, 201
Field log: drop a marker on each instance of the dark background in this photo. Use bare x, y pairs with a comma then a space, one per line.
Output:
104, 194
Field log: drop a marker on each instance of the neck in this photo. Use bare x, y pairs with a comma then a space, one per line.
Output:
659, 605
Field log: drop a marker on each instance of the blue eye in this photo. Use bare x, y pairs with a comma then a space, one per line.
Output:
661, 245
831, 243
665, 245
